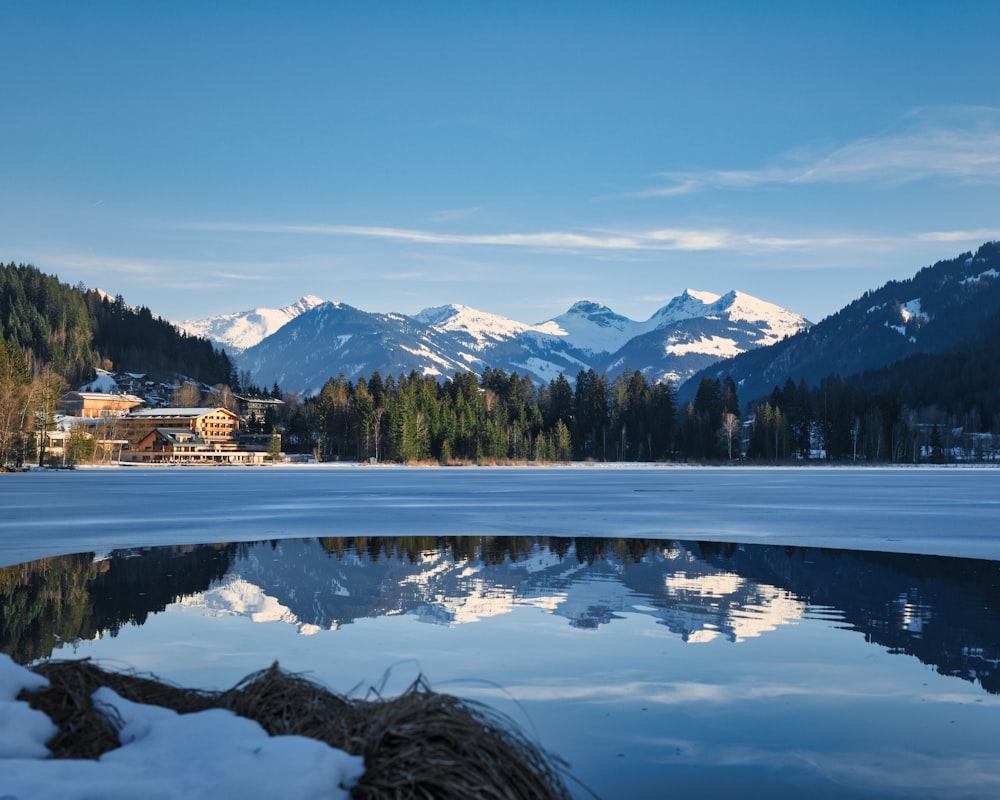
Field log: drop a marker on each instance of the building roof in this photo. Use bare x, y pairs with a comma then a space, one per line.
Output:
131, 398
179, 436
176, 413
274, 401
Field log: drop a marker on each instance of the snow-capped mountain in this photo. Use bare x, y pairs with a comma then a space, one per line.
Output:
595, 328
688, 334
242, 329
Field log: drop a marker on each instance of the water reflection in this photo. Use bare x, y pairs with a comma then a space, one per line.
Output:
943, 611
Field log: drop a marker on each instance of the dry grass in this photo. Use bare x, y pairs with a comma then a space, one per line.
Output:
421, 744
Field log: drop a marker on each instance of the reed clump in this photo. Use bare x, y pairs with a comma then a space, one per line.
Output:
419, 744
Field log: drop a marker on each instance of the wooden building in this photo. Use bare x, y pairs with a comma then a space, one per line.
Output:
184, 446
94, 405
187, 436
213, 425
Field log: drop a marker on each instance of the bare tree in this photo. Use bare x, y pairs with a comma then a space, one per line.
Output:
186, 395
221, 396
729, 431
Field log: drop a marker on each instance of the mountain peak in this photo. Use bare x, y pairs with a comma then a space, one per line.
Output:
438, 314
589, 308
243, 329
440, 340
688, 304
308, 301
594, 327
702, 297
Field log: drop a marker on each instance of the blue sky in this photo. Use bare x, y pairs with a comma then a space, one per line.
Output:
515, 157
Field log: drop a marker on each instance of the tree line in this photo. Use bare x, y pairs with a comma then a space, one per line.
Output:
506, 418
495, 417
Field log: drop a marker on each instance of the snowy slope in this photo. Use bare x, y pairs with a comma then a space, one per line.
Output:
242, 329
480, 328
595, 328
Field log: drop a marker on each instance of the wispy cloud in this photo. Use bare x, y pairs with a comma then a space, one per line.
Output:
241, 276
606, 240
977, 235
960, 144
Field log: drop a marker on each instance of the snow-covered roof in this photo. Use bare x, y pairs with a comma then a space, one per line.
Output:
175, 413
108, 396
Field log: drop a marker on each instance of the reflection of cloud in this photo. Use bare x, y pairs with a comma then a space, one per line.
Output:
960, 144
969, 776
674, 693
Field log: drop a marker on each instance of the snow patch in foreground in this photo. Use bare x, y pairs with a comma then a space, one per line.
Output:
164, 755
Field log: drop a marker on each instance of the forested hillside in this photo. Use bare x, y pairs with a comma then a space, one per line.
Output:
936, 311
962, 383
52, 336
70, 330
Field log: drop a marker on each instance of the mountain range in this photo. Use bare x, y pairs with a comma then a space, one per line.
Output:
940, 324
301, 346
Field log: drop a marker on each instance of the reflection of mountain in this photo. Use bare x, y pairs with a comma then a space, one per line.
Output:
445, 582
944, 611
237, 597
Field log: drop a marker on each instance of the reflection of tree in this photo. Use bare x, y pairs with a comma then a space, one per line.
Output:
70, 598
43, 602
135, 585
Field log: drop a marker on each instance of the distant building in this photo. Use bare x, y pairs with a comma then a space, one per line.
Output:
257, 406
93, 405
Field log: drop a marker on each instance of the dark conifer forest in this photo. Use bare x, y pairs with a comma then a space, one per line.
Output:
70, 330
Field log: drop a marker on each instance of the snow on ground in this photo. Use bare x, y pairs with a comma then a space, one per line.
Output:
482, 327
164, 755
102, 383
716, 345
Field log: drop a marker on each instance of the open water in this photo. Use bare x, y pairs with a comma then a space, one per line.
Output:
668, 632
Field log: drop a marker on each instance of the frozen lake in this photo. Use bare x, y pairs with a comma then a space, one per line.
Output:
668, 631
935, 511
